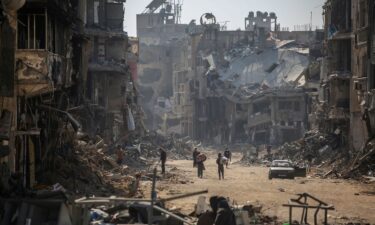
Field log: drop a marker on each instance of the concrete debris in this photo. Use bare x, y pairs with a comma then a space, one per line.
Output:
177, 148
249, 213
95, 170
326, 151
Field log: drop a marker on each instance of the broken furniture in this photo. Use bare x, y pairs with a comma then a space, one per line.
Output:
150, 210
303, 202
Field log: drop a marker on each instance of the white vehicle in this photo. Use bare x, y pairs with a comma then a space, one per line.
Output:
281, 169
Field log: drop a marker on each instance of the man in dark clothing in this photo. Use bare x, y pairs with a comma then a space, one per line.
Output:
220, 161
195, 154
228, 155
163, 159
224, 215
200, 164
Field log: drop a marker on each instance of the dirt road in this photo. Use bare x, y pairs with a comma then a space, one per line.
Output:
250, 184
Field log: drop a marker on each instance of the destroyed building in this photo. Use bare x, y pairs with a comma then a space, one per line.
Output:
277, 116
110, 85
63, 70
226, 69
180, 90
347, 72
41, 82
160, 36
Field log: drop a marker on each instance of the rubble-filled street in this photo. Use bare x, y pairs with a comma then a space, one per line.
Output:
173, 112
353, 201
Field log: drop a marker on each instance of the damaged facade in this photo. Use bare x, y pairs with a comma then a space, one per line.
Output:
277, 116
110, 85
228, 72
63, 70
347, 72
161, 41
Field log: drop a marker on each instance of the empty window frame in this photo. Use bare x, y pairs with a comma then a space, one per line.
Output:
31, 31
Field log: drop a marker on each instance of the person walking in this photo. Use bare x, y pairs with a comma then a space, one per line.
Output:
200, 164
163, 159
220, 161
228, 155
195, 154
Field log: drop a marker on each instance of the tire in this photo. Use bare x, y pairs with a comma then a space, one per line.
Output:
269, 177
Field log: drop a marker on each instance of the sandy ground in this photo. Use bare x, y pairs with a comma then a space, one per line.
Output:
250, 184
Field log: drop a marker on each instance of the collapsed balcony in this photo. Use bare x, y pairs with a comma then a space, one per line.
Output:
40, 67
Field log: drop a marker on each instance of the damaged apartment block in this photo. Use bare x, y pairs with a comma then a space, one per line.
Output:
63, 70
245, 85
346, 71
110, 85
34, 111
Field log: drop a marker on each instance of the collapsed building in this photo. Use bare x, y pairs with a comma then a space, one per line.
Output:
161, 37
63, 70
227, 71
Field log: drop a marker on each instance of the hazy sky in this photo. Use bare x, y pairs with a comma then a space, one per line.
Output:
289, 12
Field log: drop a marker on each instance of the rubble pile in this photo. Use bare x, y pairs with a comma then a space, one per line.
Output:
314, 146
250, 157
176, 148
362, 164
135, 213
326, 152
252, 214
92, 170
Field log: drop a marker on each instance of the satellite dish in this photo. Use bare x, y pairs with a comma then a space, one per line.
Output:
13, 5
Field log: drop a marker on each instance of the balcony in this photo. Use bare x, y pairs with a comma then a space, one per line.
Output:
41, 67
108, 66
258, 118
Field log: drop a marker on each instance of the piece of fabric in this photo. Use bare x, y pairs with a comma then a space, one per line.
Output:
225, 217
207, 218
131, 123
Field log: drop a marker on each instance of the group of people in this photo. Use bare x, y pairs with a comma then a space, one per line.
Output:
221, 213
199, 158
221, 161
